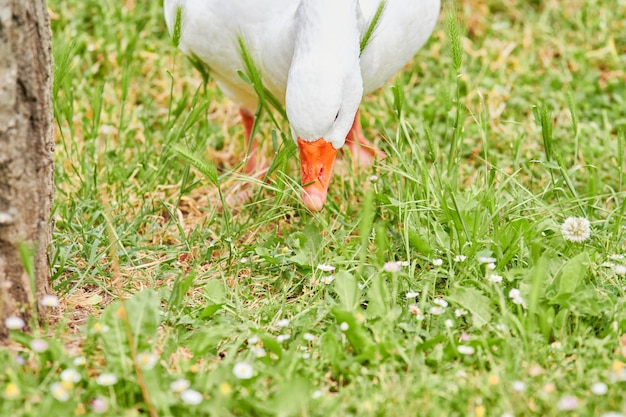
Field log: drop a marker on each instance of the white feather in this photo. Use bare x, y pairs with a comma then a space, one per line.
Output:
306, 50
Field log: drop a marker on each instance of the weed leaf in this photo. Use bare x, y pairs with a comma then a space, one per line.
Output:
475, 302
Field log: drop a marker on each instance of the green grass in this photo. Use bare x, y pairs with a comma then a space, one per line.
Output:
494, 137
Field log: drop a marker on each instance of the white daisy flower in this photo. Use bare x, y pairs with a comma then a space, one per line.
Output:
59, 391
326, 268
465, 350
243, 370
99, 405
100, 328
412, 294
282, 323
70, 375
494, 278
519, 301
440, 302
460, 312
308, 337
460, 258
620, 269
518, 386
486, 260
344, 326
49, 300
106, 379
258, 352
502, 327
516, 297
191, 397
437, 310
146, 360
392, 266
568, 402
180, 385
38, 345
282, 337
327, 279
576, 229
599, 388
438, 262
14, 323
80, 361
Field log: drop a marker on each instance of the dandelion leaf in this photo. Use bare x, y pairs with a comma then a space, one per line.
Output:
205, 340
420, 243
208, 311
573, 273
475, 302
360, 340
180, 288
378, 298
215, 291
430, 343
313, 240
270, 343
291, 397
331, 350
347, 289
137, 318
301, 258
305, 245
584, 302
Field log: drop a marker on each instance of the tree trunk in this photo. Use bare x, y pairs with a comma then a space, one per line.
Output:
26, 155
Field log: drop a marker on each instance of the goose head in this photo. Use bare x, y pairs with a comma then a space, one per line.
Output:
324, 89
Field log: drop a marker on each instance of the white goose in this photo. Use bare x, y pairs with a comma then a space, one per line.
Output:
308, 53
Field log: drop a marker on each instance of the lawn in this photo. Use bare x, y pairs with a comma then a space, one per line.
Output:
478, 270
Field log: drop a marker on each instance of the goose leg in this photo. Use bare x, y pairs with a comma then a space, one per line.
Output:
253, 167
247, 120
363, 152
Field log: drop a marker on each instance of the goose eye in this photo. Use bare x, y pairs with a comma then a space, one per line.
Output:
336, 116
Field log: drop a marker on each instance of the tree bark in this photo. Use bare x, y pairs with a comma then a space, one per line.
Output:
26, 155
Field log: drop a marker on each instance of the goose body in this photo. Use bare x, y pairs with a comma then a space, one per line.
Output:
308, 54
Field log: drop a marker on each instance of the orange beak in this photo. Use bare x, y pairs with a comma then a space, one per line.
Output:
316, 166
